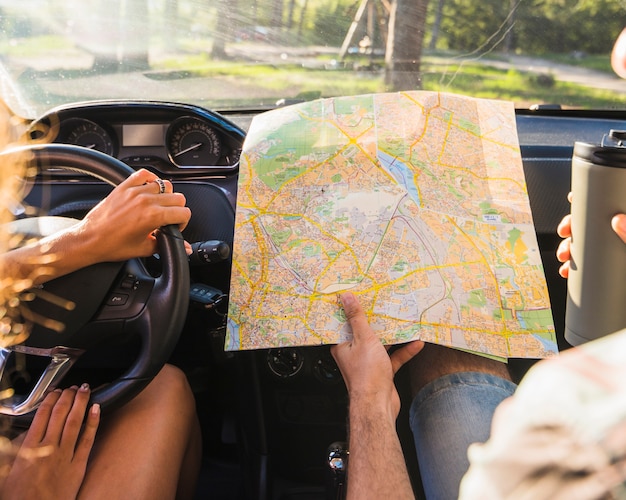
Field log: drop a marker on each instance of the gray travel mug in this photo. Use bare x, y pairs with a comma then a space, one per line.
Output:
596, 286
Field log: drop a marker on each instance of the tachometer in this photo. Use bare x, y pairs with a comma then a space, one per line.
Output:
192, 143
88, 134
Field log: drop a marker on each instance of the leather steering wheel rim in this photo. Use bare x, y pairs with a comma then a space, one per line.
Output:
160, 323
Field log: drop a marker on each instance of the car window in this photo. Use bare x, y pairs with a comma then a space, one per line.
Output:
231, 54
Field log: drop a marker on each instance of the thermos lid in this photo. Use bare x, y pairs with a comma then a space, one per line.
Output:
611, 153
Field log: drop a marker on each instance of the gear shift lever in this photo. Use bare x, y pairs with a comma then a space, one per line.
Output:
337, 460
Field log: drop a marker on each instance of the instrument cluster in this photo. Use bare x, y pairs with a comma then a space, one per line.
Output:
169, 138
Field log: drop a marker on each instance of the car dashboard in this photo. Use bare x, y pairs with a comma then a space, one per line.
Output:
269, 416
165, 137
198, 150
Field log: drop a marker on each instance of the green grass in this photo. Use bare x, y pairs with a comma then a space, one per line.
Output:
284, 79
522, 88
478, 80
31, 47
598, 62
358, 75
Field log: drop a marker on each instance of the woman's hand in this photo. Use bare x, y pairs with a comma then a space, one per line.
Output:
129, 217
52, 458
120, 227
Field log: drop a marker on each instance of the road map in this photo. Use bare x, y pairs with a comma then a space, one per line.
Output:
414, 201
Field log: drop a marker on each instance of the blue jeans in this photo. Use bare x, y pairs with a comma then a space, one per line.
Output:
446, 416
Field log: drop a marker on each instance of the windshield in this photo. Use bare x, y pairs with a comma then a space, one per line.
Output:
253, 54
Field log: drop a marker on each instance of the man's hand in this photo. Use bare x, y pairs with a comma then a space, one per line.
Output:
376, 467
366, 367
618, 55
564, 230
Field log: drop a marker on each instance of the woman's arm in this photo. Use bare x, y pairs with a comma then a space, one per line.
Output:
120, 227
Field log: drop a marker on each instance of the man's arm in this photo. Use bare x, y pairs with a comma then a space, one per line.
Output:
376, 467
118, 228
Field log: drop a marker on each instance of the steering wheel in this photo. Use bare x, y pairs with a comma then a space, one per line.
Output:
102, 303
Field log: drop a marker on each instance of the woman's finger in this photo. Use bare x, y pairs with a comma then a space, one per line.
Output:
75, 417
59, 414
37, 430
88, 436
139, 178
156, 186
171, 200
174, 215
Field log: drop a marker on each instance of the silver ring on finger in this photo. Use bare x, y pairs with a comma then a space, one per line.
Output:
161, 185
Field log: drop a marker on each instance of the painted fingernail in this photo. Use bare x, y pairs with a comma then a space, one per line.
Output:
95, 409
84, 387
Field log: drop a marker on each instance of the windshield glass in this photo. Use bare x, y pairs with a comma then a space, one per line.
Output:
253, 54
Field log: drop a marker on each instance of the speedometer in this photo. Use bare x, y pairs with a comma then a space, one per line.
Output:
192, 143
88, 134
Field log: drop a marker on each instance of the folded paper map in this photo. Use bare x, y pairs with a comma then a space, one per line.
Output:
415, 201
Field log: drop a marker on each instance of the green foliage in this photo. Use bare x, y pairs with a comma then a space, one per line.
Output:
568, 26
467, 26
332, 19
536, 26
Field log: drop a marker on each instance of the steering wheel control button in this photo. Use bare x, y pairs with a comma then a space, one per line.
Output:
208, 252
130, 282
118, 299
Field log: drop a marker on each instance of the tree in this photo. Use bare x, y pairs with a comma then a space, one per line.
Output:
170, 20
276, 19
407, 22
436, 25
227, 14
290, 12
135, 36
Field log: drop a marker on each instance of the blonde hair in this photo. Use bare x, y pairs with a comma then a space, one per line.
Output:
13, 175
